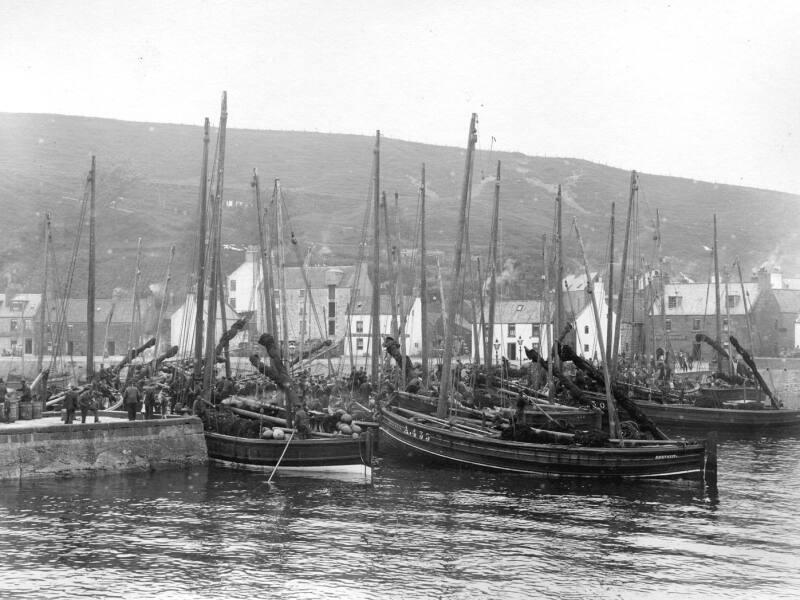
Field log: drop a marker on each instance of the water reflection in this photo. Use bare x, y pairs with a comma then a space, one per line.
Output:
416, 532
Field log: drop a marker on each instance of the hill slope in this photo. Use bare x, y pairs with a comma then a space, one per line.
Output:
148, 181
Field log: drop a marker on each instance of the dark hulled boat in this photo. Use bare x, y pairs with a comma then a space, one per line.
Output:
731, 410
625, 459
751, 418
339, 457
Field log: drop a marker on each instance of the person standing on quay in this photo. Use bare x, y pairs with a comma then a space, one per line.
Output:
131, 401
70, 404
87, 402
149, 402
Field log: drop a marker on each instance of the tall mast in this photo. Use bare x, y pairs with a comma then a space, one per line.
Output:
43, 303
90, 295
423, 283
610, 314
264, 262
545, 319
276, 194
624, 269
201, 258
376, 259
728, 317
718, 324
390, 268
559, 323
613, 420
662, 288
216, 229
444, 384
493, 266
134, 297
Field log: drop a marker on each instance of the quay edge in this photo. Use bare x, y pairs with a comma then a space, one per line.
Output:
52, 449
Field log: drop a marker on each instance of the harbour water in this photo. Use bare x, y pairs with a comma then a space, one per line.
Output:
414, 533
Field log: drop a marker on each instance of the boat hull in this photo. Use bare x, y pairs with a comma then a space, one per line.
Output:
311, 457
720, 395
654, 460
721, 420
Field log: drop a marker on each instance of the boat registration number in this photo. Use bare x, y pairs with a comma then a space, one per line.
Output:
416, 433
666, 456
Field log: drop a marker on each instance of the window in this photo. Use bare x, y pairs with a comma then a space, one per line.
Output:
667, 325
359, 326
232, 285
232, 302
585, 329
331, 292
332, 327
696, 325
302, 293
111, 347
586, 348
13, 324
360, 344
733, 300
70, 348
536, 330
674, 301
512, 330
28, 346
724, 324
331, 309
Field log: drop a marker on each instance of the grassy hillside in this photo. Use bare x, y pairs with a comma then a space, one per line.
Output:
148, 180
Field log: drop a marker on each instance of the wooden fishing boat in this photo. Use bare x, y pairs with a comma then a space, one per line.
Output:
234, 438
339, 456
625, 459
738, 417
537, 453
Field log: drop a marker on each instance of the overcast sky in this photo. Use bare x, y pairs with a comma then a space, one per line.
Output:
706, 90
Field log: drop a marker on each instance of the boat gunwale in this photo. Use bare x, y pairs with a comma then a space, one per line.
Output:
687, 446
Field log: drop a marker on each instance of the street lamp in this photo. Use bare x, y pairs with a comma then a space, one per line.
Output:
519, 343
496, 351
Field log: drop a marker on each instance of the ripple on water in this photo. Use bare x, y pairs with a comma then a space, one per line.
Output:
416, 533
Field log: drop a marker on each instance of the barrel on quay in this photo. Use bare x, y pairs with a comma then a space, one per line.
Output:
49, 448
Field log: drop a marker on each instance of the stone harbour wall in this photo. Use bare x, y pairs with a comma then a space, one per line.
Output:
105, 447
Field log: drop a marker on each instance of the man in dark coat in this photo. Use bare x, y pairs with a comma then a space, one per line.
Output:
70, 404
131, 401
149, 402
87, 402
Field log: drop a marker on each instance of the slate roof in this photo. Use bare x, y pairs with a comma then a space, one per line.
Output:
788, 300
8, 305
698, 298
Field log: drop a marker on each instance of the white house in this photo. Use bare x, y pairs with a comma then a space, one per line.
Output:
182, 324
524, 323
517, 324
17, 314
580, 306
320, 314
361, 326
